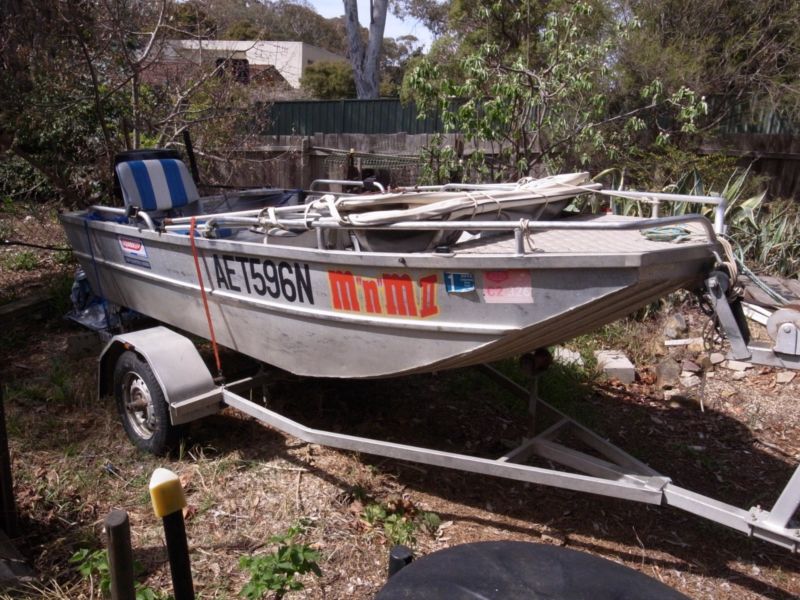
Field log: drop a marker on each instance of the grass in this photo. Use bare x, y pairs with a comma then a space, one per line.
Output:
24, 260
400, 521
637, 335
244, 484
58, 386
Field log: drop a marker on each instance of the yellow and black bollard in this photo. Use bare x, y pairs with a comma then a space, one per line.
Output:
169, 501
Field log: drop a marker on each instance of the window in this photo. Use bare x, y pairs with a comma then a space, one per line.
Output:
237, 68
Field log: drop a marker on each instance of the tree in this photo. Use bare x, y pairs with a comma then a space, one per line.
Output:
329, 80
74, 91
543, 98
279, 20
733, 51
365, 58
190, 20
432, 13
243, 30
397, 54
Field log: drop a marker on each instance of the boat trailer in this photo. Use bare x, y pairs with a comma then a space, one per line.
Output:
169, 372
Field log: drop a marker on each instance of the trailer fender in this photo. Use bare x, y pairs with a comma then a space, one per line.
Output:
184, 378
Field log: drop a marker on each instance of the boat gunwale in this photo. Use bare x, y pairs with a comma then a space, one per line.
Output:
456, 259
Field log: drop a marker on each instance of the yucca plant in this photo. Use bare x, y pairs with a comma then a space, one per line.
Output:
769, 240
763, 233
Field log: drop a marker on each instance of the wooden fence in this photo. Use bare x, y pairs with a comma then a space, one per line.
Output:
295, 161
775, 156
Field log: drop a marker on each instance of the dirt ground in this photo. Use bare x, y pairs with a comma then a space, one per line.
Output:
732, 437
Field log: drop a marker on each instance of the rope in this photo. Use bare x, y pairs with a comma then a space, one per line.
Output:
203, 296
674, 234
474, 204
730, 262
96, 273
306, 211
757, 280
39, 246
526, 230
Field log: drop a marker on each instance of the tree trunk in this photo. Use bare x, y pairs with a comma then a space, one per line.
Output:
366, 60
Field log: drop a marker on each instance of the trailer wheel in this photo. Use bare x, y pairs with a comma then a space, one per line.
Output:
142, 405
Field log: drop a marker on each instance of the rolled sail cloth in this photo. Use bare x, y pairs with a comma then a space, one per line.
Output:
381, 209
529, 199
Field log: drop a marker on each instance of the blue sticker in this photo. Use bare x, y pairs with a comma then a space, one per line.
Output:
459, 283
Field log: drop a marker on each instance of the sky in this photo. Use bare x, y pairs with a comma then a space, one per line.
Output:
394, 26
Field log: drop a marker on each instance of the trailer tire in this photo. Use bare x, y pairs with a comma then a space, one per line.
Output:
142, 406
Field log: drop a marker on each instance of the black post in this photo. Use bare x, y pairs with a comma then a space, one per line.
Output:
399, 558
8, 505
120, 555
168, 498
178, 552
187, 140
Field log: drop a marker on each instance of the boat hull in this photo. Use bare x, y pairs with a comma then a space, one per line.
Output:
366, 315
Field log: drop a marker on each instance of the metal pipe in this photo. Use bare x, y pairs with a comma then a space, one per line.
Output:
636, 224
123, 212
329, 223
719, 203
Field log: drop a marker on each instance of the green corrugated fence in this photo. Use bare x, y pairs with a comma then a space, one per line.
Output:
389, 115
307, 117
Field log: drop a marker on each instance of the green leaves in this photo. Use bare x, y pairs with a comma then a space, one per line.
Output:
277, 572
93, 564
329, 80
543, 98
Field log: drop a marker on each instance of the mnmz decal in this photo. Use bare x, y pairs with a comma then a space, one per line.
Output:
133, 251
290, 281
389, 294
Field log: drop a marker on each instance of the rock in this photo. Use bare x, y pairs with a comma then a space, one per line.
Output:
551, 536
691, 366
675, 326
690, 381
739, 375
672, 396
565, 356
668, 373
696, 347
711, 375
615, 364
736, 365
785, 376
716, 358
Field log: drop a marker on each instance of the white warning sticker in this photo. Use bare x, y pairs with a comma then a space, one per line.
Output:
512, 286
134, 251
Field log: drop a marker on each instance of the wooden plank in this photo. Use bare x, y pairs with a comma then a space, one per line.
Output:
21, 307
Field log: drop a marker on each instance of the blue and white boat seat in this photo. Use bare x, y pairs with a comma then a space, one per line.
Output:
162, 184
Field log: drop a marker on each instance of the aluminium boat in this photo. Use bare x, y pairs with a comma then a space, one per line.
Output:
381, 284
410, 280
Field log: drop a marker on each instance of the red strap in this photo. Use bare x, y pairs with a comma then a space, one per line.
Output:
203, 295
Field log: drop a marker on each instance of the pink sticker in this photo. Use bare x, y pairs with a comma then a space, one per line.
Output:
507, 287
